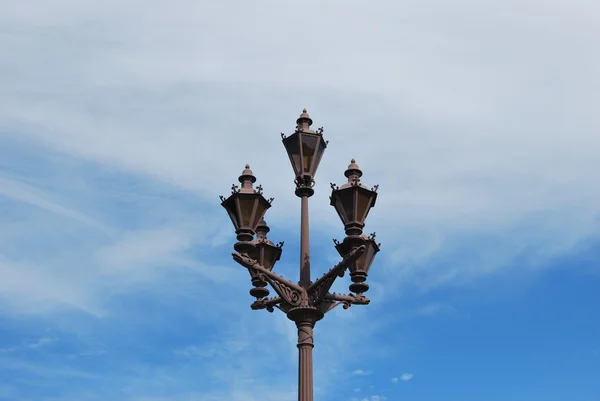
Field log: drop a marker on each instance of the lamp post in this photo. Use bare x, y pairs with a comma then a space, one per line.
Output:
305, 302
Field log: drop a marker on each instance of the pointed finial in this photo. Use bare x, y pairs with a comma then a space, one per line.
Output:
353, 166
304, 121
247, 171
247, 179
261, 231
353, 173
351, 161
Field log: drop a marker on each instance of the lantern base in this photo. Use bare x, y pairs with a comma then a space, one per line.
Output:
302, 191
244, 247
304, 186
359, 288
259, 292
358, 285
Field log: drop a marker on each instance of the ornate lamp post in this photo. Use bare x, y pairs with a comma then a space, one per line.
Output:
305, 302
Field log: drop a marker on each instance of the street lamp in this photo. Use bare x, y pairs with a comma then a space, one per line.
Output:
305, 302
353, 201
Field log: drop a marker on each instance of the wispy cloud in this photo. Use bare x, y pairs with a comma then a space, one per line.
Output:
375, 398
360, 372
406, 377
434, 308
41, 342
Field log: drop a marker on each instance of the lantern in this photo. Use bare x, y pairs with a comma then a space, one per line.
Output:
305, 149
359, 270
353, 201
266, 254
246, 206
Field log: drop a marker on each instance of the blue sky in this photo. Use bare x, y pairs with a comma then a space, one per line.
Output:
122, 122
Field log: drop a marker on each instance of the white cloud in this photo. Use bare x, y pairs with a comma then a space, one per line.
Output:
92, 353
41, 342
27, 194
394, 380
465, 129
407, 376
375, 398
434, 309
360, 372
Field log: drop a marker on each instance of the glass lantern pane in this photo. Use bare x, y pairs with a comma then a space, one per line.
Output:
233, 218
345, 205
268, 257
309, 148
339, 211
292, 147
261, 208
318, 155
246, 209
231, 206
369, 257
363, 205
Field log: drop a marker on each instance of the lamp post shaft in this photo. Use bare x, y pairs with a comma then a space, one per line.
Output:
304, 244
305, 362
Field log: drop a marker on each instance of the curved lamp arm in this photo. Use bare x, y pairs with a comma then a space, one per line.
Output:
290, 292
317, 290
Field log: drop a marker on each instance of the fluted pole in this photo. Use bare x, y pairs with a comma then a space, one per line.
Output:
304, 244
305, 363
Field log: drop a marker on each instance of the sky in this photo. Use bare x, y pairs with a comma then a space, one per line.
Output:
122, 121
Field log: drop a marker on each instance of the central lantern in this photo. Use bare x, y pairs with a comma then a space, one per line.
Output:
305, 149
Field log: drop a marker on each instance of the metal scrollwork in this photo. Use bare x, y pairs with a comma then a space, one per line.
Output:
322, 288
288, 294
304, 182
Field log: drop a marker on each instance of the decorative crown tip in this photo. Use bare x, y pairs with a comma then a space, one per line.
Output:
351, 161
304, 110
247, 166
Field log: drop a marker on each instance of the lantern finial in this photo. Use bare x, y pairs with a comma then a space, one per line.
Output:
247, 179
262, 229
304, 122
